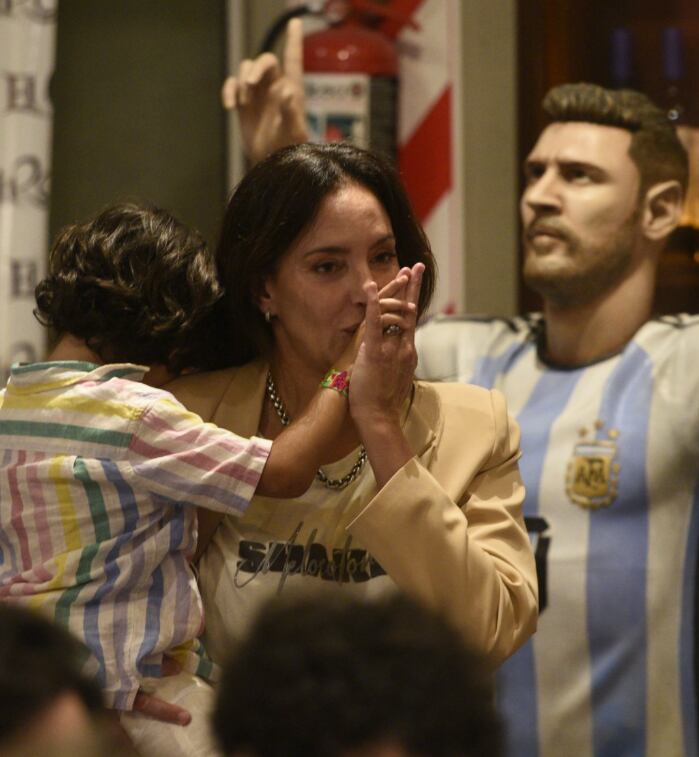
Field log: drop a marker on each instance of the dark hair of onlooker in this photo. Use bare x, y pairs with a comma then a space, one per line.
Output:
39, 661
655, 147
134, 283
277, 201
320, 676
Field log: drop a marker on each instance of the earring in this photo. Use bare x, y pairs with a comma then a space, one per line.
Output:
268, 316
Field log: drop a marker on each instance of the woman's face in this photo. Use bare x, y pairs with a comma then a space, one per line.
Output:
316, 295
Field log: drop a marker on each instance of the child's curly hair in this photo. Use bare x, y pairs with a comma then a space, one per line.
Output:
134, 283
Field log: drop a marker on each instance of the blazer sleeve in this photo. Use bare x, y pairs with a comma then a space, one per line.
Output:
448, 528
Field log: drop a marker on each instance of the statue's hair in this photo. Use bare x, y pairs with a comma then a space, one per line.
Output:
655, 147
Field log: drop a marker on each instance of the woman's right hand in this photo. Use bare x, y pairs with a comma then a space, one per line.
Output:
382, 378
393, 306
385, 365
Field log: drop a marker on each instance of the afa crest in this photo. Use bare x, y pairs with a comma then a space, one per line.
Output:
593, 473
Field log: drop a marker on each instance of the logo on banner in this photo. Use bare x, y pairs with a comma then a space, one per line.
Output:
593, 471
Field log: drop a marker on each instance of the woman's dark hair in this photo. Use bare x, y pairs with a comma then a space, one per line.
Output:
134, 283
275, 202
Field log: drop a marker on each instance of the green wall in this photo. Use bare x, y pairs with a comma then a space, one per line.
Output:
136, 108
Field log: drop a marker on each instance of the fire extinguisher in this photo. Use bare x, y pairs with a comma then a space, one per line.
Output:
351, 72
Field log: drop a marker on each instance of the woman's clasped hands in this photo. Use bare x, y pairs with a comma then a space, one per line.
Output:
384, 368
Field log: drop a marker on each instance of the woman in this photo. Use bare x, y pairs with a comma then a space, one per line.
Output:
421, 488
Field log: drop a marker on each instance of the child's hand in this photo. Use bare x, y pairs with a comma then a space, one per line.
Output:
158, 709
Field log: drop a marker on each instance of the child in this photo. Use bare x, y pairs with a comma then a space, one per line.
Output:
97, 468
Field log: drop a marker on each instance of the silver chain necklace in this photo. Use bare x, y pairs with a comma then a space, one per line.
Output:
331, 483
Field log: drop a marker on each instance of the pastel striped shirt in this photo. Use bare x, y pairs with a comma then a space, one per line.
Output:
98, 475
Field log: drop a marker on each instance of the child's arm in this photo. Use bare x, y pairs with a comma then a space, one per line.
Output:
297, 452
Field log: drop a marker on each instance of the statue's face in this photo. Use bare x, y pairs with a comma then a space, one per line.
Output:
579, 211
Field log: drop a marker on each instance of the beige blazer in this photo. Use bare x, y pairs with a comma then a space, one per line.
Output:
448, 527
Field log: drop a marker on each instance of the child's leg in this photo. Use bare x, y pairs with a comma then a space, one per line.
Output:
155, 739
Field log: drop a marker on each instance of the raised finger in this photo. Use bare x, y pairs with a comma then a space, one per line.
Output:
400, 282
228, 93
373, 332
265, 66
396, 284
413, 290
293, 52
393, 304
243, 97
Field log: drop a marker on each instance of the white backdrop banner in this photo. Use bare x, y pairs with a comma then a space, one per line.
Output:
27, 43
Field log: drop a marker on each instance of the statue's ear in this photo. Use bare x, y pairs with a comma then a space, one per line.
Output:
662, 209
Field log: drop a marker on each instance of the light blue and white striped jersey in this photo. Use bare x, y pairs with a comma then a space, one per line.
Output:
611, 466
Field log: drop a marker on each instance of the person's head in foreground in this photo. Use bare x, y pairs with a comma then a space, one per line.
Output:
604, 189
302, 233
133, 284
49, 704
338, 677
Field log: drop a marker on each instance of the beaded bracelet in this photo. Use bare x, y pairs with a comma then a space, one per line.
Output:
337, 380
